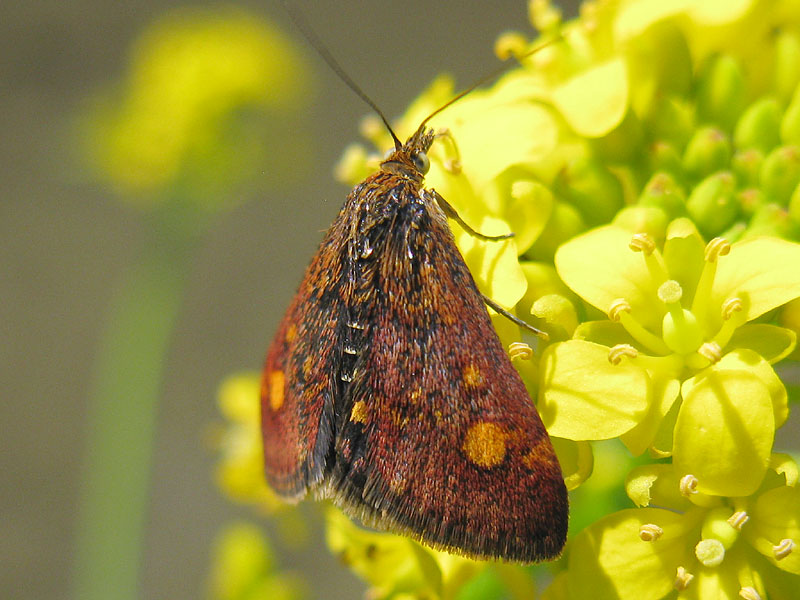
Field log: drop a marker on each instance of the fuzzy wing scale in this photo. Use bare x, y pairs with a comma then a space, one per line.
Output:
440, 439
300, 376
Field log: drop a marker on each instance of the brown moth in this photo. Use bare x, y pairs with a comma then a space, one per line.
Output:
387, 390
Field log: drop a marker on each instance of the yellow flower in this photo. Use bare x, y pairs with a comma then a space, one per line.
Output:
704, 546
205, 90
240, 470
243, 568
680, 358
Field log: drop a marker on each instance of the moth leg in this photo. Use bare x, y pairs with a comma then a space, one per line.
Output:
451, 164
451, 212
513, 318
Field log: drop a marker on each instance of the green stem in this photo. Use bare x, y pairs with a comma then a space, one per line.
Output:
121, 421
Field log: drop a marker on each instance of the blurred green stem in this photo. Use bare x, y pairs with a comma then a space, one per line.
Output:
121, 417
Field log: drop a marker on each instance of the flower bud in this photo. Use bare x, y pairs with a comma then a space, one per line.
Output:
721, 96
712, 204
664, 192
592, 189
708, 151
794, 205
786, 74
673, 121
750, 200
780, 173
759, 126
565, 222
746, 165
773, 220
664, 156
790, 124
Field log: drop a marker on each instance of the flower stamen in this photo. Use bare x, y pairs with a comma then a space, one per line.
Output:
731, 309
616, 353
714, 249
710, 351
618, 306
749, 593
520, 350
620, 312
783, 549
642, 242
682, 579
738, 519
688, 485
650, 532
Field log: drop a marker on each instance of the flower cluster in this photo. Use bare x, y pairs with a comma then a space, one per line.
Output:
206, 93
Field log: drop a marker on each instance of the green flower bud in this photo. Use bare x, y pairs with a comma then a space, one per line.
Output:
750, 200
794, 206
780, 173
673, 120
621, 144
735, 232
662, 191
721, 96
708, 151
712, 204
592, 189
652, 220
565, 222
773, 220
746, 165
786, 73
759, 126
664, 156
790, 124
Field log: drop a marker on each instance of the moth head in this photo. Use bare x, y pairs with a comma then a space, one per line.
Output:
411, 160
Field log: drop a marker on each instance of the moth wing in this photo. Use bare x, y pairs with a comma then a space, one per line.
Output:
299, 377
442, 441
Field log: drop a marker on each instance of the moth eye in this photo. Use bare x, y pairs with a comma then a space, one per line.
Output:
421, 162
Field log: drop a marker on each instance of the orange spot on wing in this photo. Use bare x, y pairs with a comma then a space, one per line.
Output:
485, 444
539, 455
276, 385
358, 413
472, 376
291, 333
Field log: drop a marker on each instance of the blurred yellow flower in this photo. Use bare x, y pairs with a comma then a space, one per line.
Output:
202, 108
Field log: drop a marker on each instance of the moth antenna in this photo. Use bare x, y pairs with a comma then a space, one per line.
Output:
308, 32
507, 64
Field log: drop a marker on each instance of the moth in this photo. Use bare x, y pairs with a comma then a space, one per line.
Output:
387, 389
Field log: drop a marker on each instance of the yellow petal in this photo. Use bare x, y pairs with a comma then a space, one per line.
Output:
390, 563
724, 432
576, 460
584, 397
664, 392
747, 360
763, 272
656, 484
601, 268
494, 265
608, 560
776, 517
771, 342
594, 102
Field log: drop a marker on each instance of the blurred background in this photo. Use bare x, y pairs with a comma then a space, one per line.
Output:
128, 269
